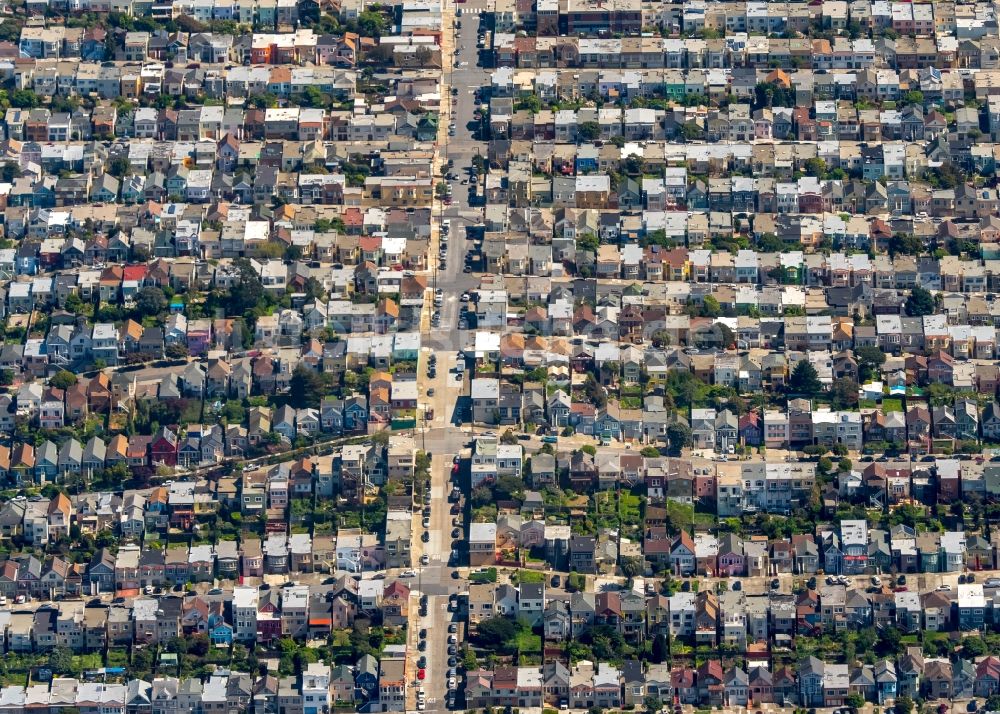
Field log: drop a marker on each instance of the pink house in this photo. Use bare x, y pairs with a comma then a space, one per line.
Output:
199, 336
732, 559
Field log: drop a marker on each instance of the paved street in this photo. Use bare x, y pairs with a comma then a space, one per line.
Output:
441, 436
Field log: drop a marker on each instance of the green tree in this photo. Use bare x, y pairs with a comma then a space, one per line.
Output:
815, 167
870, 360
496, 632
118, 166
63, 379
660, 649
372, 23
903, 705
804, 379
588, 241
151, 301
770, 243
710, 307
905, 244
973, 647
305, 389
844, 393
678, 437
919, 302
588, 131
60, 660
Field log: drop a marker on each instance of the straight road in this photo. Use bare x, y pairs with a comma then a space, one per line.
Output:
440, 435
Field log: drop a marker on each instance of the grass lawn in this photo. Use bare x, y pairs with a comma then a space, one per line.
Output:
87, 661
528, 642
630, 505
483, 576
892, 405
530, 576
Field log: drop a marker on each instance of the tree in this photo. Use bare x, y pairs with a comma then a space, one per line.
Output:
176, 350
691, 131
61, 660
844, 393
631, 566
919, 302
710, 307
845, 465
305, 389
63, 379
804, 379
815, 167
588, 130
855, 700
973, 647
870, 360
496, 632
903, 705
905, 244
372, 23
660, 650
770, 243
151, 301
678, 437
575, 582
118, 166
588, 241
6, 377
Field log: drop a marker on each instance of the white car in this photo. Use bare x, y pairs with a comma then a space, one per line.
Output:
425, 559
452, 639
944, 588
408, 574
451, 683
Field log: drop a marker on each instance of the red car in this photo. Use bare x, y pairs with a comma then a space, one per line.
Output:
421, 674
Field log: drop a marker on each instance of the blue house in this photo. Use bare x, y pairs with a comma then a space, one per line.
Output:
366, 679
220, 632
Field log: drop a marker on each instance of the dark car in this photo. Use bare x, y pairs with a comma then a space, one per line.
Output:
456, 533
422, 662
423, 634
455, 575
775, 584
556, 581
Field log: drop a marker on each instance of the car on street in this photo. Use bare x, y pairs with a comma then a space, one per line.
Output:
421, 662
453, 627
452, 661
425, 559
421, 674
455, 533
423, 634
430, 392
422, 645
